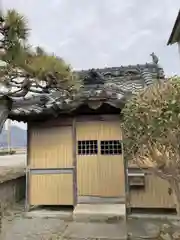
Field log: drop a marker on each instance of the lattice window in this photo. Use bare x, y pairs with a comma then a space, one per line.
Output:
111, 147
88, 147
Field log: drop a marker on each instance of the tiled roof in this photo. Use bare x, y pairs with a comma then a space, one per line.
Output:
108, 85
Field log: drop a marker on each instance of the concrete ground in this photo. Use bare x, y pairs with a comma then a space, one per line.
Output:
17, 227
88, 220
15, 160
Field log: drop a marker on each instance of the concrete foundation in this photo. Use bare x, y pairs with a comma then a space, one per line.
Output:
99, 212
103, 221
39, 212
82, 212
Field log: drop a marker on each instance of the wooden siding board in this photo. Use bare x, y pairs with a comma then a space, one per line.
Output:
100, 175
102, 178
51, 165
91, 130
51, 189
154, 195
104, 127
51, 148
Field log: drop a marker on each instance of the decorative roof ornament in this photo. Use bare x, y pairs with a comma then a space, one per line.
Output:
155, 59
147, 76
95, 104
93, 77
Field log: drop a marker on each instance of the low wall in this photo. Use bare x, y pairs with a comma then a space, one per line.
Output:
12, 189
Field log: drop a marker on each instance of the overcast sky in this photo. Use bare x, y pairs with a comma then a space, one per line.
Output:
98, 33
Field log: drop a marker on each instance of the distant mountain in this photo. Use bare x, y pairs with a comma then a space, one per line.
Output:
18, 137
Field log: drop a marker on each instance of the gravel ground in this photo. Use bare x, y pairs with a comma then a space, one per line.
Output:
16, 227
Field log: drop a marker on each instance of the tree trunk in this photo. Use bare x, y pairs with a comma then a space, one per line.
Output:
5, 108
175, 185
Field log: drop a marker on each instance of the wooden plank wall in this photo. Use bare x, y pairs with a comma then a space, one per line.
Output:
51, 143
50, 164
153, 195
51, 189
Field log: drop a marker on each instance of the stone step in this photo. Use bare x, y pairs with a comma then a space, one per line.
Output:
100, 212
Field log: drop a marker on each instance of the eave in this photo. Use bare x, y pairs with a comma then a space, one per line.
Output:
175, 34
68, 107
110, 86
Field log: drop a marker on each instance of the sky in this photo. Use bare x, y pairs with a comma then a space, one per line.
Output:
101, 33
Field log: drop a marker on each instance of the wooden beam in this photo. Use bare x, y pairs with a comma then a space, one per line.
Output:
109, 117
54, 122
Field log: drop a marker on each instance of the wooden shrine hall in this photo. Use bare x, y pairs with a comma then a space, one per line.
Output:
75, 145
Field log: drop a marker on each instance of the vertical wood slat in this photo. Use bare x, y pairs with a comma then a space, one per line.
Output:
51, 189
51, 147
102, 178
99, 175
154, 195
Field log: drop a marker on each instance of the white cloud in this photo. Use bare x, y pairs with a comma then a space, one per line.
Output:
101, 33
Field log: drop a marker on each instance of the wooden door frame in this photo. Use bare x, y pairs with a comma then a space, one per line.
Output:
92, 118
74, 161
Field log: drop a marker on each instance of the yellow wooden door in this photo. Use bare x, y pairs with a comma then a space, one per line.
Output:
100, 167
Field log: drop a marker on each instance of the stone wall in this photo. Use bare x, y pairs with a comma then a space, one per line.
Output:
12, 190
